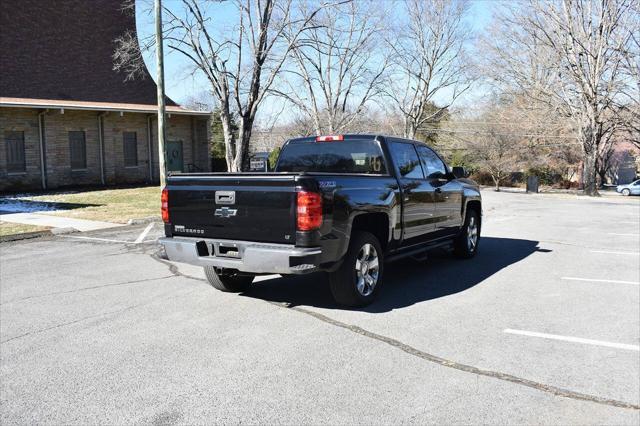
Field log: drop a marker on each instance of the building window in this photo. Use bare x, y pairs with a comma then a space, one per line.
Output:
15, 152
130, 148
78, 150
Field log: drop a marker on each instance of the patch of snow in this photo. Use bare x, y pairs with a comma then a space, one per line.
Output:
14, 205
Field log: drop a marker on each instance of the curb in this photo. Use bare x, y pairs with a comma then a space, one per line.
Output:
62, 231
25, 236
550, 191
37, 234
68, 230
144, 220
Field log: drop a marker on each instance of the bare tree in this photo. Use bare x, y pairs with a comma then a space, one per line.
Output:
630, 110
567, 53
241, 63
495, 150
200, 101
429, 60
337, 69
508, 134
493, 140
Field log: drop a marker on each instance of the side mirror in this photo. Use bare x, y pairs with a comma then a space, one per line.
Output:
459, 172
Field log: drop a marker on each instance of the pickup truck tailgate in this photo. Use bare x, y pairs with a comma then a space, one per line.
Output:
250, 207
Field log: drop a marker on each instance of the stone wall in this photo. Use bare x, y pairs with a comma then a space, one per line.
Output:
57, 125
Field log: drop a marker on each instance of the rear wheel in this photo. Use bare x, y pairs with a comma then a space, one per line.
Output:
357, 281
626, 191
227, 280
466, 244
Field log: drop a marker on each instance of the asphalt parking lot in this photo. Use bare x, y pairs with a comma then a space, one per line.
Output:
543, 326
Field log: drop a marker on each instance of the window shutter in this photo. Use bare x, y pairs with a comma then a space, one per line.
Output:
130, 149
16, 162
78, 150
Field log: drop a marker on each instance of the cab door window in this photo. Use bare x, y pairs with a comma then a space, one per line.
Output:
406, 159
432, 164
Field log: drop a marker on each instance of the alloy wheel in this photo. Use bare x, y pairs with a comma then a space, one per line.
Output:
367, 269
472, 234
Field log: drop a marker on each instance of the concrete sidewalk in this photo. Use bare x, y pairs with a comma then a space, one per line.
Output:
81, 225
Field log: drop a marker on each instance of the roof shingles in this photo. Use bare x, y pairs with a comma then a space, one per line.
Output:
63, 50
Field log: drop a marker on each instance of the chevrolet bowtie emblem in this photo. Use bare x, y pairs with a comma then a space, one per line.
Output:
226, 212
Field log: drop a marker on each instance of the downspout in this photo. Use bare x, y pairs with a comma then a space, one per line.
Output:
43, 166
150, 147
193, 145
101, 146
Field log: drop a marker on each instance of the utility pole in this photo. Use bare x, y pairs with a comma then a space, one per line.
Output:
161, 107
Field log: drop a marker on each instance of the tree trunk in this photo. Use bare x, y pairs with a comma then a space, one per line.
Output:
496, 181
590, 142
227, 129
330, 127
591, 139
409, 129
602, 173
241, 160
316, 125
589, 174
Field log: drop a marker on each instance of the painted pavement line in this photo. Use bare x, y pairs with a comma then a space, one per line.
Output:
144, 233
600, 280
95, 239
574, 339
632, 253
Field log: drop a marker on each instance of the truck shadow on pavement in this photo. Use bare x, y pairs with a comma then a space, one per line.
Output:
406, 282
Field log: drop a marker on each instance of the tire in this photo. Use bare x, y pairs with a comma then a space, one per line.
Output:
465, 245
228, 282
626, 192
355, 283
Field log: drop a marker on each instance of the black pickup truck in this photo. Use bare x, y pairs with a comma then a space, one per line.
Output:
343, 204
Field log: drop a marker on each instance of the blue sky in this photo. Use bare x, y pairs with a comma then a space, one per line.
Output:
180, 85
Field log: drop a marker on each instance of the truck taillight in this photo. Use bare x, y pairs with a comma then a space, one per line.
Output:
309, 211
164, 199
332, 138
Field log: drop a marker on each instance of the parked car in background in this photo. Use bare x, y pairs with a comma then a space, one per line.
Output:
632, 188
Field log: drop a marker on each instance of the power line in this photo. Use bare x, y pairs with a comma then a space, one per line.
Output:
485, 148
474, 132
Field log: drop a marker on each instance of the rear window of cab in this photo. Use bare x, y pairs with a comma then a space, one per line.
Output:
358, 156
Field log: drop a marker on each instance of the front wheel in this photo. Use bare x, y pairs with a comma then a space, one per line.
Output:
626, 192
357, 280
227, 281
466, 244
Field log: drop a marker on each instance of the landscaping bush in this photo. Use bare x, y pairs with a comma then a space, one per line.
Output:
482, 178
566, 184
546, 175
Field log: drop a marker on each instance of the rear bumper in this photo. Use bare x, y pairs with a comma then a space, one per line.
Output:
247, 256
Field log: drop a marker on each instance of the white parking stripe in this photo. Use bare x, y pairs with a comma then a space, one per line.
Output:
600, 281
95, 239
144, 233
632, 253
574, 339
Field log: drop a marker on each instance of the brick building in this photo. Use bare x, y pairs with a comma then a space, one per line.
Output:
68, 119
